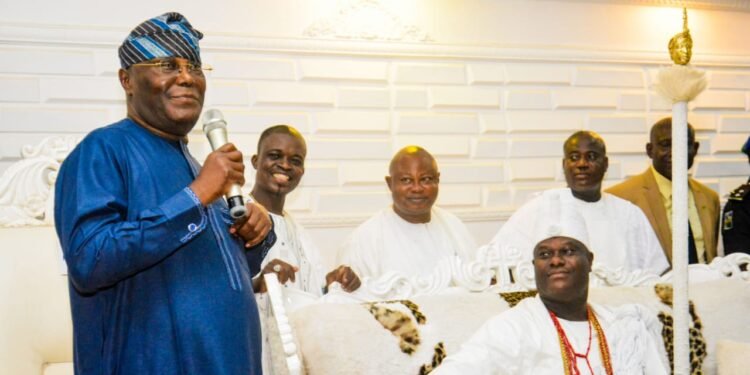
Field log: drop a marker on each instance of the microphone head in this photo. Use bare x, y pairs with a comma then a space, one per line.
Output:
212, 119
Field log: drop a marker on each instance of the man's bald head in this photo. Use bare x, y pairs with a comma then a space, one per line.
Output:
593, 137
659, 148
411, 152
413, 180
665, 124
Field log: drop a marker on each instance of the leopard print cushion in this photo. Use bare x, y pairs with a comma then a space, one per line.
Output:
698, 351
399, 323
513, 298
437, 359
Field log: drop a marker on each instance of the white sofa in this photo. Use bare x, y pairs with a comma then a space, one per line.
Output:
36, 333
314, 337
35, 325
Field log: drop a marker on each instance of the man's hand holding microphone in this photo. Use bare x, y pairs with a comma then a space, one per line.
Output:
222, 174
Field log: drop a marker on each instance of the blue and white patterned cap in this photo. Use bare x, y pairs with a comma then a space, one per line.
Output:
168, 35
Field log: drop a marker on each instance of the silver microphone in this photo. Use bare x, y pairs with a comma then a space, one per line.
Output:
215, 129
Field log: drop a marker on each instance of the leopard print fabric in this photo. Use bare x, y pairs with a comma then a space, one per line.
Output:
399, 323
664, 292
413, 307
698, 351
437, 359
513, 298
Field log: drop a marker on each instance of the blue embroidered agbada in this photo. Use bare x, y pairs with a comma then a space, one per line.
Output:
157, 284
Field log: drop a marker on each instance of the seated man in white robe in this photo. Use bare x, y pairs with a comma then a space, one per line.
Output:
412, 235
280, 165
558, 331
616, 230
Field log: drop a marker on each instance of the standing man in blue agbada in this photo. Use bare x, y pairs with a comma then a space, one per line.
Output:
159, 281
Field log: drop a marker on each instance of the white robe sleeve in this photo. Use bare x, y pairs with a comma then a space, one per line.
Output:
647, 253
466, 246
469, 245
494, 349
317, 273
315, 278
519, 232
358, 252
634, 336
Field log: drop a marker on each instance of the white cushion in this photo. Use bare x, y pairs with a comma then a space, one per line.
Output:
732, 357
35, 310
345, 338
59, 369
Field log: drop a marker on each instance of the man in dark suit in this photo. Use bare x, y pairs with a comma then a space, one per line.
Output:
735, 223
652, 192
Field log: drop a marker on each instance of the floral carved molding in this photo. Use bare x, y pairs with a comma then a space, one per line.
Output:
365, 20
476, 276
26, 187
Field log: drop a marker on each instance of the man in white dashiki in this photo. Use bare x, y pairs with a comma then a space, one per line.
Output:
280, 165
558, 332
615, 230
412, 235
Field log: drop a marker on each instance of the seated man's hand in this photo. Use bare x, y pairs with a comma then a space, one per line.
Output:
283, 270
345, 276
254, 227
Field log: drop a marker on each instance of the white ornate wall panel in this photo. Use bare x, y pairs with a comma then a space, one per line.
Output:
491, 87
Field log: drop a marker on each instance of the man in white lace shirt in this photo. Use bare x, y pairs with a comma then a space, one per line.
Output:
559, 332
616, 230
412, 236
280, 165
294, 258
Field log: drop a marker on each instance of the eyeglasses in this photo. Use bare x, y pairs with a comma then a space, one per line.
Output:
172, 67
